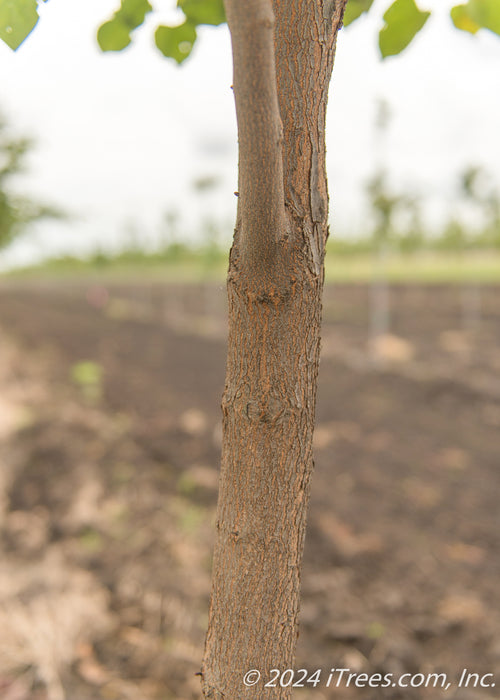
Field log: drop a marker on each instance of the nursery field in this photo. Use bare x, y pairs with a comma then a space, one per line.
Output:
109, 449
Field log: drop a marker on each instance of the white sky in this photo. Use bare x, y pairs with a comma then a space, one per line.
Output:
121, 137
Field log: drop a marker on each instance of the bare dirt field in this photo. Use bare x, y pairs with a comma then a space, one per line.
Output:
108, 485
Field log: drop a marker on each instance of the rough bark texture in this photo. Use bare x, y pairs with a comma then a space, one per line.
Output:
283, 56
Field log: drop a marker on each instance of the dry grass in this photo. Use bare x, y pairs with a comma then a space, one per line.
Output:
46, 612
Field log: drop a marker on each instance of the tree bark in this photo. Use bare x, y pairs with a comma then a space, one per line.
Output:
283, 56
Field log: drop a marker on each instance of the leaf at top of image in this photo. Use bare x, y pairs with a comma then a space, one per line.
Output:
133, 12
477, 14
403, 20
203, 11
354, 9
176, 42
113, 36
17, 19
462, 20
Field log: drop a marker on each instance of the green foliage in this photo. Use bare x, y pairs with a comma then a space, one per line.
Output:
173, 41
203, 12
132, 13
411, 242
176, 42
453, 238
17, 20
403, 20
477, 14
462, 20
19, 17
16, 211
114, 35
354, 9
476, 187
384, 206
413, 255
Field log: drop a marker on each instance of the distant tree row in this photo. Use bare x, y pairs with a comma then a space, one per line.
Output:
16, 211
397, 224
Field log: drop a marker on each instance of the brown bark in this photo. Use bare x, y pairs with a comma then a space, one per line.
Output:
283, 57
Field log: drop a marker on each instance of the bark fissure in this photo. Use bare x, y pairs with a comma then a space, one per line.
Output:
274, 289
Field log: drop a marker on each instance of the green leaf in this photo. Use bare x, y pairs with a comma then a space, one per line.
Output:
477, 14
355, 9
17, 19
113, 35
403, 20
203, 11
462, 20
133, 12
176, 42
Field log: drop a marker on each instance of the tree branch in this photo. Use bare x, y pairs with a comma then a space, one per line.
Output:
261, 212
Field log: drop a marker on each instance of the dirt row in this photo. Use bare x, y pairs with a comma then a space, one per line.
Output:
109, 488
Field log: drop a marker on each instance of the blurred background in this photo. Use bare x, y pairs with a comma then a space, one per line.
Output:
117, 175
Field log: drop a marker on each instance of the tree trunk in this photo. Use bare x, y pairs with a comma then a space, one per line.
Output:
283, 57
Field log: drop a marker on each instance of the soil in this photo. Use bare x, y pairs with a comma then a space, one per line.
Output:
109, 450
